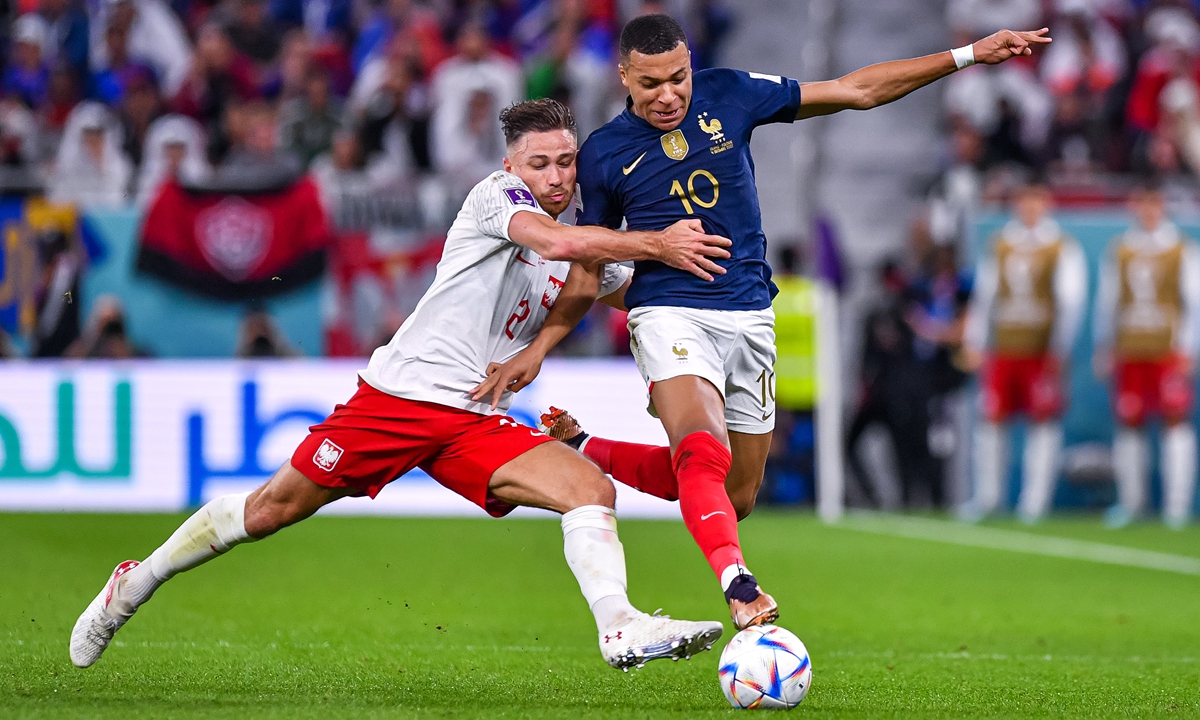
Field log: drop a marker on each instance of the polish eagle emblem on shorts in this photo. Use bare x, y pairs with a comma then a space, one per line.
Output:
327, 455
674, 144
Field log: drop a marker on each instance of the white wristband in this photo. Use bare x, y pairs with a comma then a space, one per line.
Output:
964, 56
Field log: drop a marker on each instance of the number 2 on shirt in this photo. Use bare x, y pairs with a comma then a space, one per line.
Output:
677, 191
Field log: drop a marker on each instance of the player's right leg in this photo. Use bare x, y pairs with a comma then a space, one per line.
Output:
554, 477
288, 497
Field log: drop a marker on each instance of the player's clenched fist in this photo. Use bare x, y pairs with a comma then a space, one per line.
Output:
995, 49
686, 246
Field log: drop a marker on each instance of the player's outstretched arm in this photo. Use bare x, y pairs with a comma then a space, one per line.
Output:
886, 82
683, 245
574, 300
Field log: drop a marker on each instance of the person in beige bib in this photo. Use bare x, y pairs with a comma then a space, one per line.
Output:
1146, 336
1023, 320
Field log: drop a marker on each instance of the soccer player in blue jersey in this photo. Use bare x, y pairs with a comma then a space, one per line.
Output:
681, 150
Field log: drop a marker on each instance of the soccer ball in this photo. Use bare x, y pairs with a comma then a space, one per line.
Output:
765, 667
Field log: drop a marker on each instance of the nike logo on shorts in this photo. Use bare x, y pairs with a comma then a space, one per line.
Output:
705, 517
629, 169
767, 416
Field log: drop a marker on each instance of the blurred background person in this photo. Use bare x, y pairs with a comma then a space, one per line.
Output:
1146, 335
58, 295
174, 151
105, 335
153, 33
260, 337
1030, 292
27, 75
91, 170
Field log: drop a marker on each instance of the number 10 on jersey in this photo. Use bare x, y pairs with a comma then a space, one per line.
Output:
691, 196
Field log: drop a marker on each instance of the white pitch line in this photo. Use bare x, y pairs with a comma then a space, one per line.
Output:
1014, 541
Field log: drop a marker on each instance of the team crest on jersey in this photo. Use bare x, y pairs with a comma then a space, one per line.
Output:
327, 455
674, 144
679, 350
553, 288
520, 196
714, 129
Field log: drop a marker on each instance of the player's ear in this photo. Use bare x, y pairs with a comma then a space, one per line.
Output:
621, 72
507, 164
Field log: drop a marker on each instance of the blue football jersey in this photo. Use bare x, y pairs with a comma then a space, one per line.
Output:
631, 170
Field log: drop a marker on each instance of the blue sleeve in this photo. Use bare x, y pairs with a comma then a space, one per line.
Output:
599, 207
766, 98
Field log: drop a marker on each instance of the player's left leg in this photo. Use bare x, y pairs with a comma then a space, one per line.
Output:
1178, 445
554, 477
1043, 443
225, 522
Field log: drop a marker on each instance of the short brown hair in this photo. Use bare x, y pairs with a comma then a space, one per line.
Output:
542, 115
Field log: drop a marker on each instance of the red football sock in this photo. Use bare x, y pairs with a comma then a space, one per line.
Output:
701, 464
645, 467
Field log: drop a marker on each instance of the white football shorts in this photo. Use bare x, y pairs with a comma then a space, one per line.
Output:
732, 349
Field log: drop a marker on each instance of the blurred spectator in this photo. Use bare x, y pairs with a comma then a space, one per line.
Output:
8, 349
1087, 53
254, 155
318, 19
307, 123
572, 61
1174, 54
392, 18
141, 104
63, 93
475, 65
111, 83
105, 335
1007, 105
68, 34
391, 105
155, 36
57, 307
468, 147
91, 170
260, 337
27, 75
253, 32
19, 139
174, 151
958, 193
979, 18
220, 75
710, 23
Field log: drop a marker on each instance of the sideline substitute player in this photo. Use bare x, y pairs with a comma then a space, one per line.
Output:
681, 150
504, 261
1024, 316
1146, 336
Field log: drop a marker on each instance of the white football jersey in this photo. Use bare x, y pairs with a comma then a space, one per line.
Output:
488, 301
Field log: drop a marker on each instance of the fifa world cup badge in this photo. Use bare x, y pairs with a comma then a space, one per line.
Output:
674, 144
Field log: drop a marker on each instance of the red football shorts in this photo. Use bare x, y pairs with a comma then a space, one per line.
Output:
1029, 385
375, 438
1151, 387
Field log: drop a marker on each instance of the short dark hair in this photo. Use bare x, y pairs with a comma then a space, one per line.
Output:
651, 35
543, 115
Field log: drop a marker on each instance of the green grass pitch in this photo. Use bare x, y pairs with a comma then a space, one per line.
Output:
381, 618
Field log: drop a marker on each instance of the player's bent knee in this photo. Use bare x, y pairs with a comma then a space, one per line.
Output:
743, 504
595, 489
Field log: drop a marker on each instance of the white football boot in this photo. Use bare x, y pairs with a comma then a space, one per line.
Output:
101, 620
655, 637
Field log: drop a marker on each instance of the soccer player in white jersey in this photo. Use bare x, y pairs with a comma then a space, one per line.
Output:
1024, 316
1147, 338
681, 149
504, 260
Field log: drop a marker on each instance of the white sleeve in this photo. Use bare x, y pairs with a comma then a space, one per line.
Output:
1188, 338
978, 328
494, 201
615, 275
1070, 296
1108, 292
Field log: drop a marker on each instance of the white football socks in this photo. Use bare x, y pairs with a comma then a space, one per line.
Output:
991, 466
211, 531
1130, 465
1178, 467
596, 557
1043, 450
